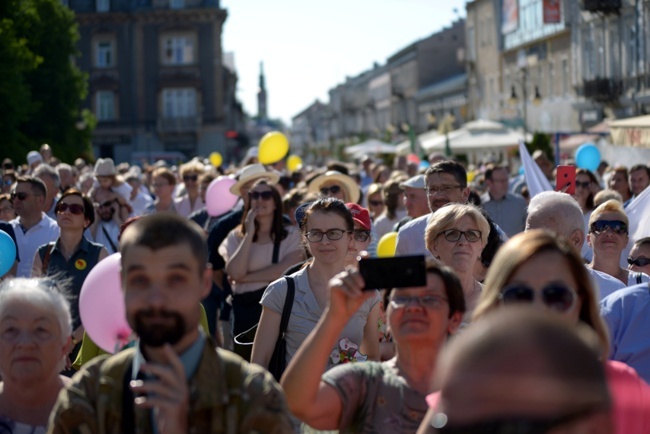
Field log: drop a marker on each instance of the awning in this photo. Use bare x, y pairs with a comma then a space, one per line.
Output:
633, 132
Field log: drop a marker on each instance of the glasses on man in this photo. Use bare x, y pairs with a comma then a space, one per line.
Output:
453, 235
21, 195
585, 184
375, 202
639, 262
331, 234
190, 178
443, 189
106, 204
617, 226
556, 296
334, 189
361, 235
74, 208
432, 301
257, 195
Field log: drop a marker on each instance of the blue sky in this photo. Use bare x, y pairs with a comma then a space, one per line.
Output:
309, 47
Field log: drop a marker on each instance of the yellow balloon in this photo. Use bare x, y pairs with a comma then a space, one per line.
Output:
387, 244
274, 146
470, 176
293, 163
216, 159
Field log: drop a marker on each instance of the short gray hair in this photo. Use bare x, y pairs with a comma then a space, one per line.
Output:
48, 170
557, 206
40, 293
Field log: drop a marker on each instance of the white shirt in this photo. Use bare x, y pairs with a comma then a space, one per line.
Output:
113, 231
410, 238
140, 203
384, 225
45, 231
604, 283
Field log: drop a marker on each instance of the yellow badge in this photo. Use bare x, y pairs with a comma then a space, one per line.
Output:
80, 264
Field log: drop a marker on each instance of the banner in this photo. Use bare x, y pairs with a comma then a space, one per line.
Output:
535, 179
509, 16
552, 11
638, 214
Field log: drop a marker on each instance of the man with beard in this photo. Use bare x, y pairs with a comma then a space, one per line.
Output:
173, 380
105, 229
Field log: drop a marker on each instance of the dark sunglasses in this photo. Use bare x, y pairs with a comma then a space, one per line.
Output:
74, 208
639, 262
585, 184
192, 178
335, 189
257, 195
107, 203
361, 235
554, 295
22, 195
375, 202
617, 226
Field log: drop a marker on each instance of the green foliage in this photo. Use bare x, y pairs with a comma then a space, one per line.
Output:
40, 87
541, 141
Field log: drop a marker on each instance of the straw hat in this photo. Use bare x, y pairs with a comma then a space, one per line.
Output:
253, 172
350, 185
105, 167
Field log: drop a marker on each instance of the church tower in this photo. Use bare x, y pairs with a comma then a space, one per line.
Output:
261, 96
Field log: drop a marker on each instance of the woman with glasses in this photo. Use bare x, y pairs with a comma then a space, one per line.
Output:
387, 397
639, 259
256, 253
163, 183
336, 184
395, 210
7, 212
541, 269
328, 231
190, 201
456, 235
586, 189
375, 200
608, 236
71, 257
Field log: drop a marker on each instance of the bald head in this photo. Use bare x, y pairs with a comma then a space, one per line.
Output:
557, 212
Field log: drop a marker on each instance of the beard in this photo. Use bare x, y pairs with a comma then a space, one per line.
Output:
156, 334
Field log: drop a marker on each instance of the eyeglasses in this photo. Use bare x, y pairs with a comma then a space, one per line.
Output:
639, 262
557, 296
22, 195
375, 202
74, 208
331, 234
617, 226
433, 301
361, 235
453, 235
335, 189
107, 203
444, 189
585, 184
192, 178
257, 195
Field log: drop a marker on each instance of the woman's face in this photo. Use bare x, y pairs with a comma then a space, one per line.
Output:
191, 181
6, 211
608, 243
421, 312
31, 343
162, 188
105, 182
583, 188
333, 189
375, 204
328, 250
543, 272
461, 255
261, 200
70, 213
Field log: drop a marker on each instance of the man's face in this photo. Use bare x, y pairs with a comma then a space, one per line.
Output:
67, 180
415, 201
27, 202
498, 185
639, 181
642, 254
162, 292
618, 182
443, 188
105, 210
49, 184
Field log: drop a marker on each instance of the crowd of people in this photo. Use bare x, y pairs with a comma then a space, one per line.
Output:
533, 316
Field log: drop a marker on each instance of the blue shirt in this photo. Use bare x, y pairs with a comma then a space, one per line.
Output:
627, 314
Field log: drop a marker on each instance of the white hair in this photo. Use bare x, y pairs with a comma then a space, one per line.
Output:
39, 293
560, 207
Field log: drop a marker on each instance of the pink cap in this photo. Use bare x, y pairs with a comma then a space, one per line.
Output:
360, 215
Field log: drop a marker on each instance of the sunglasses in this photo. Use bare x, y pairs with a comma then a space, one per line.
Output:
639, 262
617, 226
554, 295
257, 195
335, 189
74, 208
332, 235
361, 235
21, 195
107, 203
375, 202
453, 235
585, 184
192, 178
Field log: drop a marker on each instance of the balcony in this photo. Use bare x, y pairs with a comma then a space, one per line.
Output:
179, 125
602, 6
603, 89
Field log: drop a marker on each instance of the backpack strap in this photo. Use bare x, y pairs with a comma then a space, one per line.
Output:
288, 305
276, 252
639, 278
108, 237
46, 258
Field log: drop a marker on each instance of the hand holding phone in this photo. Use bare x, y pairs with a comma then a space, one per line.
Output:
565, 179
396, 272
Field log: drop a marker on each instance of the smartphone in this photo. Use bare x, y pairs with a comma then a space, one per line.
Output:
397, 272
565, 175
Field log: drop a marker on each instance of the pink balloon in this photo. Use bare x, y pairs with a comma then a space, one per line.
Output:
218, 198
101, 305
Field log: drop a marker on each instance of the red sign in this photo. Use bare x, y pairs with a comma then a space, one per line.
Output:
232, 134
552, 11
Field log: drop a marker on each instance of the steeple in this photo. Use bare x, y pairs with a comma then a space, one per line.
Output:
261, 95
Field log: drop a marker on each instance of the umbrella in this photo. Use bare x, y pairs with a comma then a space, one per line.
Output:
479, 135
631, 131
372, 146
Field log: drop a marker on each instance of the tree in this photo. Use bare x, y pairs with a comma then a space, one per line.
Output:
40, 87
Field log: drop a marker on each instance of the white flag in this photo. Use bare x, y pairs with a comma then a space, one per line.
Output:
638, 213
535, 179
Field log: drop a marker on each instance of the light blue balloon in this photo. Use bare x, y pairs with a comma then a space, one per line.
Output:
588, 157
521, 170
7, 253
423, 165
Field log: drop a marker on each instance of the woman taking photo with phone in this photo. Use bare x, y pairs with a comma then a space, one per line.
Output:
256, 253
327, 230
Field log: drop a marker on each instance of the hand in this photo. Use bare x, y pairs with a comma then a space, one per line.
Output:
347, 294
168, 395
249, 223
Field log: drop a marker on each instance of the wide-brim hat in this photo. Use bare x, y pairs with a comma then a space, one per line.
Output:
105, 167
350, 185
253, 172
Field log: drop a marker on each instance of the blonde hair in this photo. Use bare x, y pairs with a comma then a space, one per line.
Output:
192, 166
609, 206
523, 247
445, 217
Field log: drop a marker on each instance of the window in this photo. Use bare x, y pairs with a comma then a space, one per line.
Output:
178, 50
103, 5
104, 54
105, 105
179, 103
177, 4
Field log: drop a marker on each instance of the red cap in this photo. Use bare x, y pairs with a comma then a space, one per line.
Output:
360, 215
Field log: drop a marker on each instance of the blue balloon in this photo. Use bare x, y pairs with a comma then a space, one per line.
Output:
7, 253
423, 165
588, 157
521, 170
